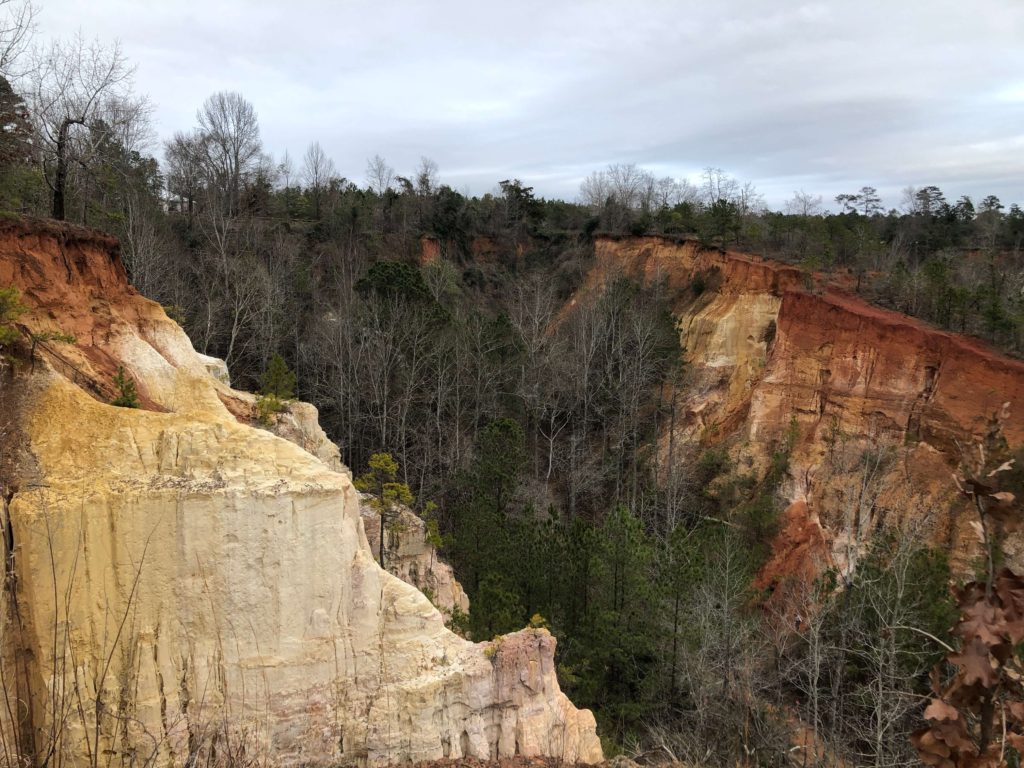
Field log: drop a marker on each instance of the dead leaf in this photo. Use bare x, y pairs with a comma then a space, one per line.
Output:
940, 710
983, 622
976, 664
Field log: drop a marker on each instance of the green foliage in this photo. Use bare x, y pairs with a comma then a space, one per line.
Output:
521, 205
865, 650
387, 494
11, 309
127, 397
277, 381
494, 647
47, 336
712, 463
433, 529
538, 622
458, 622
916, 583
721, 222
394, 279
496, 608
500, 460
759, 517
485, 490
381, 480
277, 386
177, 313
267, 407
543, 448
699, 284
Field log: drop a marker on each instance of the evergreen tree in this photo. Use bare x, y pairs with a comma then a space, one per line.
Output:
277, 381
127, 397
388, 494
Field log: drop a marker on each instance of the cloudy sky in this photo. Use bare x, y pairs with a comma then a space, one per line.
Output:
819, 96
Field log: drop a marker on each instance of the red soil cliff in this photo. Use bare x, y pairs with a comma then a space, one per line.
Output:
769, 347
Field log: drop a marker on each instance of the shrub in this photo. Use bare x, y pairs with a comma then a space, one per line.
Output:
458, 622
267, 407
11, 309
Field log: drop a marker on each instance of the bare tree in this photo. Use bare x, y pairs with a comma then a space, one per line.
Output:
379, 175
317, 170
627, 184
78, 84
803, 204
426, 176
17, 26
594, 190
232, 144
286, 170
184, 171
717, 185
144, 249
669, 192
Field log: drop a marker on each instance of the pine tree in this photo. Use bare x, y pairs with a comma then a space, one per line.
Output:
381, 481
277, 381
277, 386
127, 396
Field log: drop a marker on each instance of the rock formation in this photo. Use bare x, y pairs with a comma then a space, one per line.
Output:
181, 582
410, 556
770, 349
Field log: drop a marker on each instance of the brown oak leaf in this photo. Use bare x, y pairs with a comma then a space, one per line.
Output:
976, 663
940, 710
982, 621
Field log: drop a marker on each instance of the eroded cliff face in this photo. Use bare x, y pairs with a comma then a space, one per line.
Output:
881, 405
409, 555
197, 584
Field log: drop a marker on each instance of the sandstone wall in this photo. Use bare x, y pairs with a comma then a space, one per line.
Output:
193, 581
768, 346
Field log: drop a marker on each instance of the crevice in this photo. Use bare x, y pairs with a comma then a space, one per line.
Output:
160, 681
931, 378
824, 389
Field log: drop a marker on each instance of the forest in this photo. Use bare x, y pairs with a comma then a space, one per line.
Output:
432, 326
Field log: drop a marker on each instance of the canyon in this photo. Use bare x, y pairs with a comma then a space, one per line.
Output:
182, 584
182, 581
776, 354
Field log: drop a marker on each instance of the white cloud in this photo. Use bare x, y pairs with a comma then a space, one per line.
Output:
833, 95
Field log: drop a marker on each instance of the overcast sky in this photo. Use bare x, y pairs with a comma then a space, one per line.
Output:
819, 96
